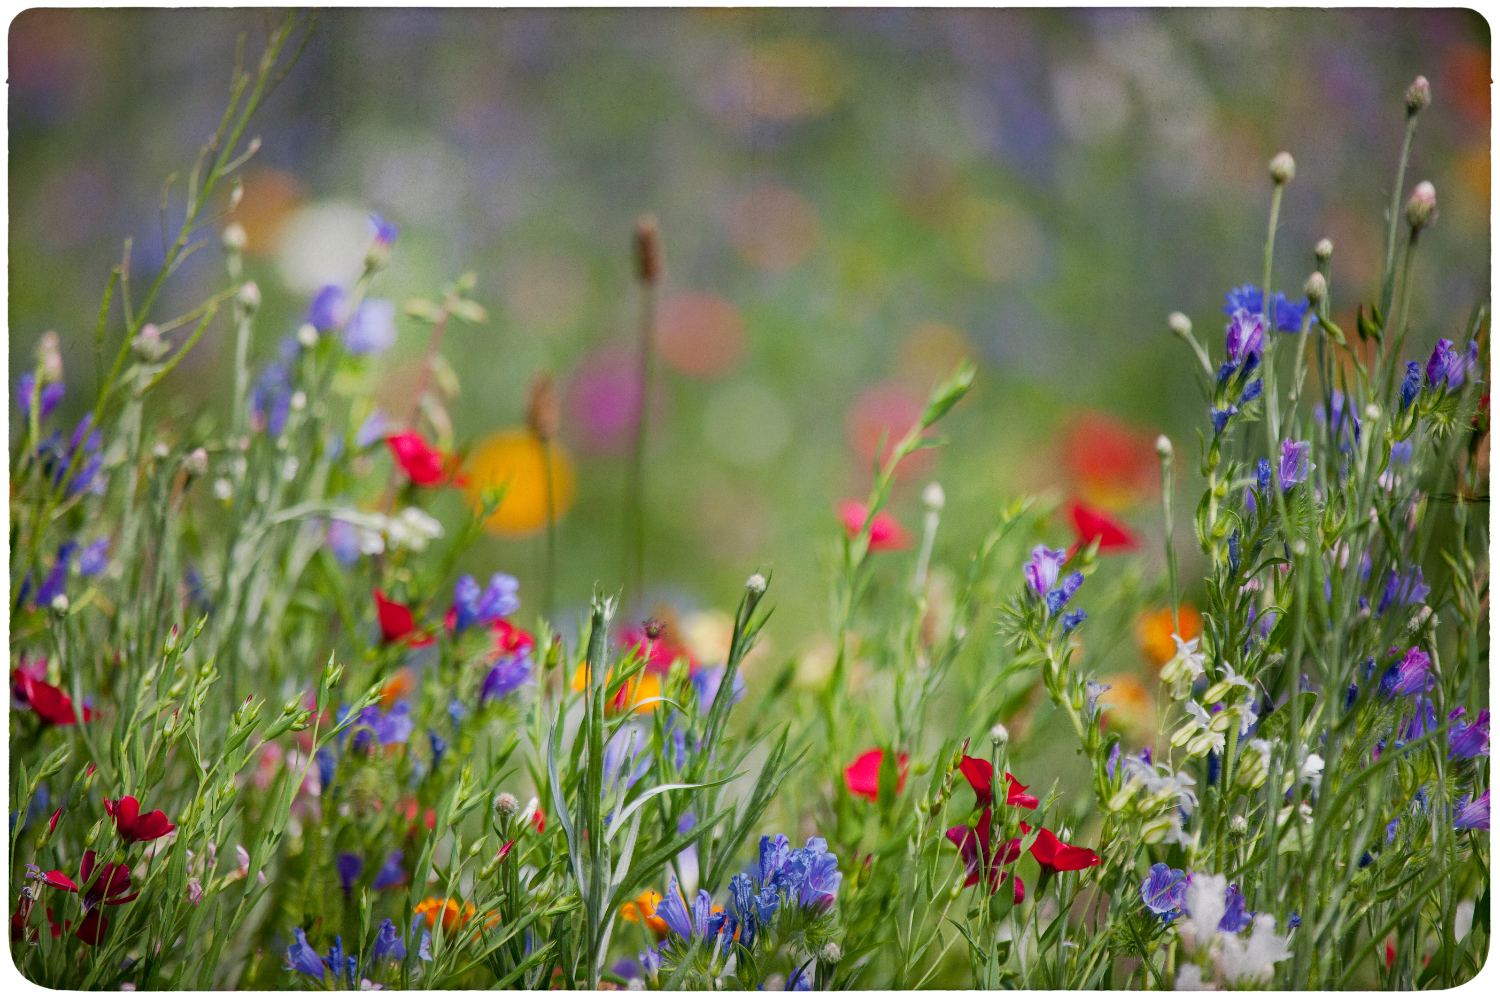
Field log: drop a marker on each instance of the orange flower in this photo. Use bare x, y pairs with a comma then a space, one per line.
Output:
640, 692
517, 461
643, 909
401, 684
1129, 705
431, 907
1154, 631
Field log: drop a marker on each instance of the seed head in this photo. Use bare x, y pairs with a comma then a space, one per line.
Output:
1163, 446
756, 583
648, 250
1179, 324
1418, 95
1283, 168
541, 409
933, 496
196, 463
1421, 208
832, 953
507, 804
1324, 249
249, 296
999, 734
148, 345
1316, 288
1239, 824
49, 357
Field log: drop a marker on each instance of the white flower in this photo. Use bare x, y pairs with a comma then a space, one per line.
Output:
412, 529
1204, 903
1197, 735
1463, 919
1253, 960
1312, 770
1183, 668
1190, 977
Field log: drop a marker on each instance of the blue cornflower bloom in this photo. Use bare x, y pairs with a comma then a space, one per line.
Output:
383, 230
1042, 568
1073, 619
371, 329
390, 873
1220, 418
1249, 298
1252, 392
1295, 465
51, 394
388, 943
1059, 597
1403, 589
328, 309
350, 867
1411, 384
509, 672
1236, 918
95, 558
301, 956
1469, 739
1163, 891
1473, 815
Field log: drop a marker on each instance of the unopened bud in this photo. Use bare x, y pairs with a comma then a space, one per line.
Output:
1324, 249
148, 344
1372, 412
234, 237
506, 804
1421, 208
1179, 324
832, 953
1239, 825
307, 335
196, 463
1283, 168
541, 408
756, 583
999, 734
933, 496
1163, 446
249, 296
49, 357
1418, 95
60, 604
648, 250
1316, 288
652, 628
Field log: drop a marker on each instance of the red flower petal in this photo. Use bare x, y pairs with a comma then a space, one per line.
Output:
1017, 796
863, 776
981, 776
1054, 854
421, 462
1091, 523
91, 929
50, 703
151, 826
397, 623
58, 880
886, 533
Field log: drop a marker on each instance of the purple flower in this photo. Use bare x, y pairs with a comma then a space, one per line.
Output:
1063, 593
95, 558
650, 962
1473, 815
56, 582
1043, 567
1163, 890
372, 431
775, 855
1252, 392
1220, 418
390, 873
1411, 384
1249, 298
473, 607
301, 957
816, 872
1262, 476
383, 230
328, 309
1245, 336
673, 911
1471, 360
706, 682
372, 328
1113, 762
388, 944
327, 767
86, 471
1343, 420
1235, 917
509, 673
349, 866
439, 747
343, 541
1423, 721
799, 981
1401, 590
395, 726
1472, 739
1073, 619
1445, 369
1294, 462
1401, 451
271, 399
1093, 690
52, 394
1411, 674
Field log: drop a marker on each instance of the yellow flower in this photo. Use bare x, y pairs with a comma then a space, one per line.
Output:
515, 461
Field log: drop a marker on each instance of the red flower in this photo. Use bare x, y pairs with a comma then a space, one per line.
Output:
974, 847
91, 928
109, 888
1055, 856
863, 776
47, 701
422, 463
501, 854
660, 653
52, 823
886, 533
131, 825
511, 641
981, 776
1110, 462
57, 880
396, 622
1092, 523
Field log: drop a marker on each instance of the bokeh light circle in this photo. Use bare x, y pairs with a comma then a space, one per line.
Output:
516, 460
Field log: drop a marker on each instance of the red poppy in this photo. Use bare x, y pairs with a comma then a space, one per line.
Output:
1111, 463
981, 776
863, 776
886, 533
50, 703
1055, 856
974, 847
1092, 523
396, 623
132, 825
422, 463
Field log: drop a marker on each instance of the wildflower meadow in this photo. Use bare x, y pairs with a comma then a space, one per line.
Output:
273, 727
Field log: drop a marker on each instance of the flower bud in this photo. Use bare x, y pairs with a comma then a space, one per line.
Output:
1418, 95
1283, 168
148, 345
1316, 288
49, 357
1163, 446
196, 463
1239, 825
934, 497
541, 409
249, 296
756, 584
999, 734
234, 237
1372, 412
506, 804
307, 335
1324, 249
832, 953
648, 250
1179, 324
1421, 208
60, 604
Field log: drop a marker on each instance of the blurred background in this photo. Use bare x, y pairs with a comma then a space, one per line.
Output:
850, 202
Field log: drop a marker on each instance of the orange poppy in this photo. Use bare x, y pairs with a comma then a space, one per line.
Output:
432, 906
1154, 632
401, 684
643, 909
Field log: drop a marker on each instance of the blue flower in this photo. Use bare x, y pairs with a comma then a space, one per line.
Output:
343, 542
1411, 384
474, 607
1113, 762
1411, 674
1293, 921
1245, 336
301, 956
1221, 417
1469, 740
775, 855
1249, 298
1252, 392
388, 944
509, 673
1295, 465
328, 309
372, 327
56, 582
383, 230
1262, 476
95, 558
271, 398
650, 962
349, 866
86, 471
456, 711
390, 873
1445, 369
1163, 891
1042, 569
372, 430
1058, 598
1092, 690
673, 911
1423, 720
1073, 619
1401, 590
327, 766
799, 980
815, 872
439, 747
706, 682
52, 394
1235, 917
395, 726
742, 899
1473, 815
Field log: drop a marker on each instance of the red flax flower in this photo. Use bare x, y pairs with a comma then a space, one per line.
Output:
422, 463
50, 703
1092, 523
886, 533
131, 825
111, 887
974, 847
981, 776
1055, 856
863, 776
397, 623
